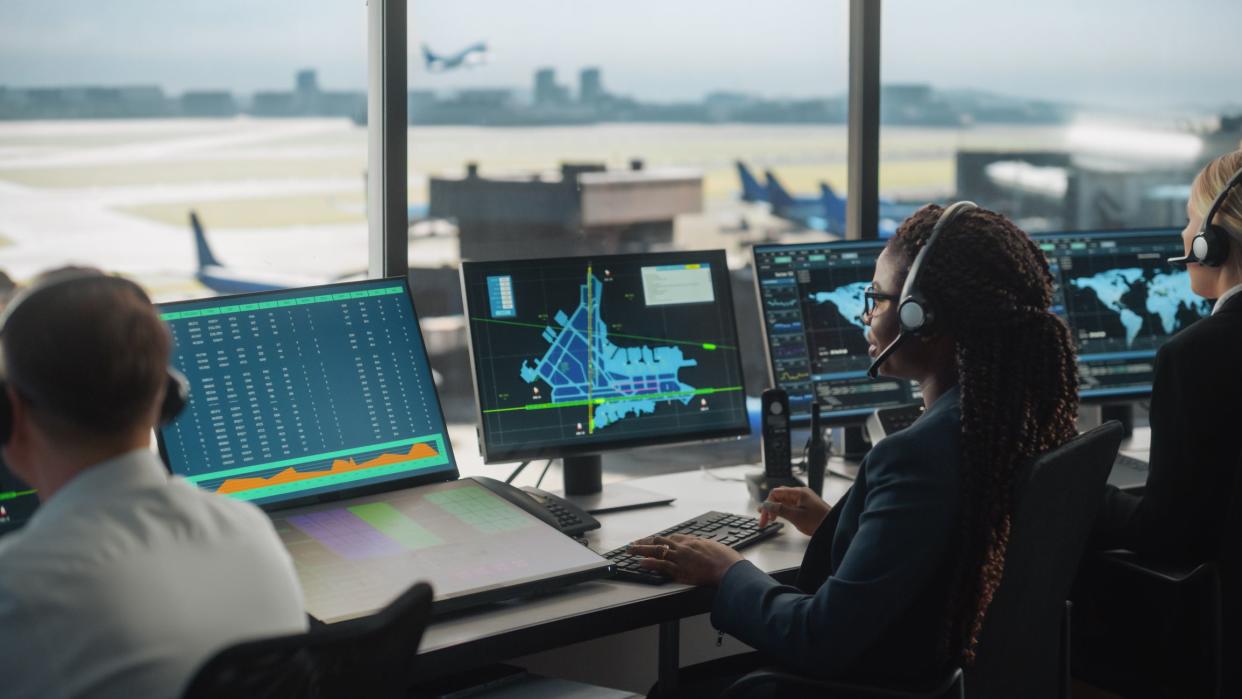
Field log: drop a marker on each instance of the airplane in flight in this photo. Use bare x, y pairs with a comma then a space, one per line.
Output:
469, 57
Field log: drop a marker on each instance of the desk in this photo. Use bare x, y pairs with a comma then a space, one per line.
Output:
601, 608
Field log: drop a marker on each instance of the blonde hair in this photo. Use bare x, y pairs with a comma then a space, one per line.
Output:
1207, 186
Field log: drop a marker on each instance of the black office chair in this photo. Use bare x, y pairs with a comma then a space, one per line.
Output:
369, 657
1162, 630
1024, 649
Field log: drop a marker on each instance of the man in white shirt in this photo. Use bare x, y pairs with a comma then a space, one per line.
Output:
125, 581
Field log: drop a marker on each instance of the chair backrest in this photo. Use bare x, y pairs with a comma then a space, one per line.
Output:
1056, 499
1230, 567
368, 657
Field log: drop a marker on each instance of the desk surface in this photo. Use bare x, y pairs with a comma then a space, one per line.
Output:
605, 607
595, 609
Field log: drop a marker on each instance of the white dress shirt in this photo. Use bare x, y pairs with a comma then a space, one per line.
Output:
1220, 302
126, 581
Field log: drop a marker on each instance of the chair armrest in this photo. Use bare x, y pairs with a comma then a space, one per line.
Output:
953, 685
1128, 560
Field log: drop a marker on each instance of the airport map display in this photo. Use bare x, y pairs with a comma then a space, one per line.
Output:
594, 350
302, 392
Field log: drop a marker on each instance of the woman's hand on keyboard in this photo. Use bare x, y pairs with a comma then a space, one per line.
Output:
801, 506
686, 559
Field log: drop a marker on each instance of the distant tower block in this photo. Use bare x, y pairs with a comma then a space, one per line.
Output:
307, 81
546, 91
590, 86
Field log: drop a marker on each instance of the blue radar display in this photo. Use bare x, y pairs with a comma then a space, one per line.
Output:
581, 355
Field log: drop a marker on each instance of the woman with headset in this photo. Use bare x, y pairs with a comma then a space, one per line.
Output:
898, 577
1196, 443
1129, 635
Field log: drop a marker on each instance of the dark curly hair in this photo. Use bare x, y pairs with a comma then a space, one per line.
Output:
991, 288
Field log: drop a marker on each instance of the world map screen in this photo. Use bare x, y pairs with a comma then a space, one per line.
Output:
1114, 289
1122, 300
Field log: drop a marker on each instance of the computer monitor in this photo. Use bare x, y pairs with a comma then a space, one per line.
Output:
305, 395
18, 501
1121, 300
573, 357
811, 300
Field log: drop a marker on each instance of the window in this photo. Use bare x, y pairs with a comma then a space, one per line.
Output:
1062, 115
532, 120
118, 120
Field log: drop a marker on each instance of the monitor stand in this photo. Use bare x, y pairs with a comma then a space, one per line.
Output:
850, 443
584, 487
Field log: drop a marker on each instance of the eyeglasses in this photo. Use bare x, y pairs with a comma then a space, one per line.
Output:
871, 299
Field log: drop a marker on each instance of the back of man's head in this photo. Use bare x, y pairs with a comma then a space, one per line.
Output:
87, 352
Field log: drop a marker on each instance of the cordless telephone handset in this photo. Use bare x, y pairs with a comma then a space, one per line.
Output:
777, 440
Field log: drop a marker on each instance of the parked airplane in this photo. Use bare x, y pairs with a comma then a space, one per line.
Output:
214, 275
825, 212
436, 288
473, 55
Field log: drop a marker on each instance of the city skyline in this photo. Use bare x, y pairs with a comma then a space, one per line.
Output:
649, 50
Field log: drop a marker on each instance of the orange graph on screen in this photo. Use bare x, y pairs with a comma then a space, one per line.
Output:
421, 450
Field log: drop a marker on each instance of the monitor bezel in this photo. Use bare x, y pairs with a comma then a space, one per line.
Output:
1107, 395
496, 456
414, 479
853, 416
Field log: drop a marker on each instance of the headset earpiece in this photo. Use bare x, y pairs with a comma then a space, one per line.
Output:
915, 316
1210, 247
176, 395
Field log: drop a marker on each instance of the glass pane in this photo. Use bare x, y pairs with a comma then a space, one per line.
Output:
119, 119
544, 131
1063, 115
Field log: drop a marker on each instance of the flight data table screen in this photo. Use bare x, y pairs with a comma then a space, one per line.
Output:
594, 352
1122, 300
302, 392
811, 297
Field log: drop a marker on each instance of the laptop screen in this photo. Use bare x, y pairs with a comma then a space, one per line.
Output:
301, 395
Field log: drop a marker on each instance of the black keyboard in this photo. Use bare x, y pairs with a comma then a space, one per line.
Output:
1129, 462
734, 531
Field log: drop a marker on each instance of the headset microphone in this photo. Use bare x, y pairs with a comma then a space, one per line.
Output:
1210, 246
915, 314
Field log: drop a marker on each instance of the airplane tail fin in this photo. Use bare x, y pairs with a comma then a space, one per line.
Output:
751, 189
834, 207
777, 194
205, 257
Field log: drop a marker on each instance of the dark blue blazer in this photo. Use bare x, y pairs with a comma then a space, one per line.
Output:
1196, 448
871, 594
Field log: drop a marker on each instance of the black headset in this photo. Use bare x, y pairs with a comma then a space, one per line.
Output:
1210, 246
177, 390
915, 314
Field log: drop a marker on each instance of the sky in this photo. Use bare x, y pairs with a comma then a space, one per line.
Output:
1138, 55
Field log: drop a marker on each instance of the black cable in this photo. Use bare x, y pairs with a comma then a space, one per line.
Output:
545, 472
516, 471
